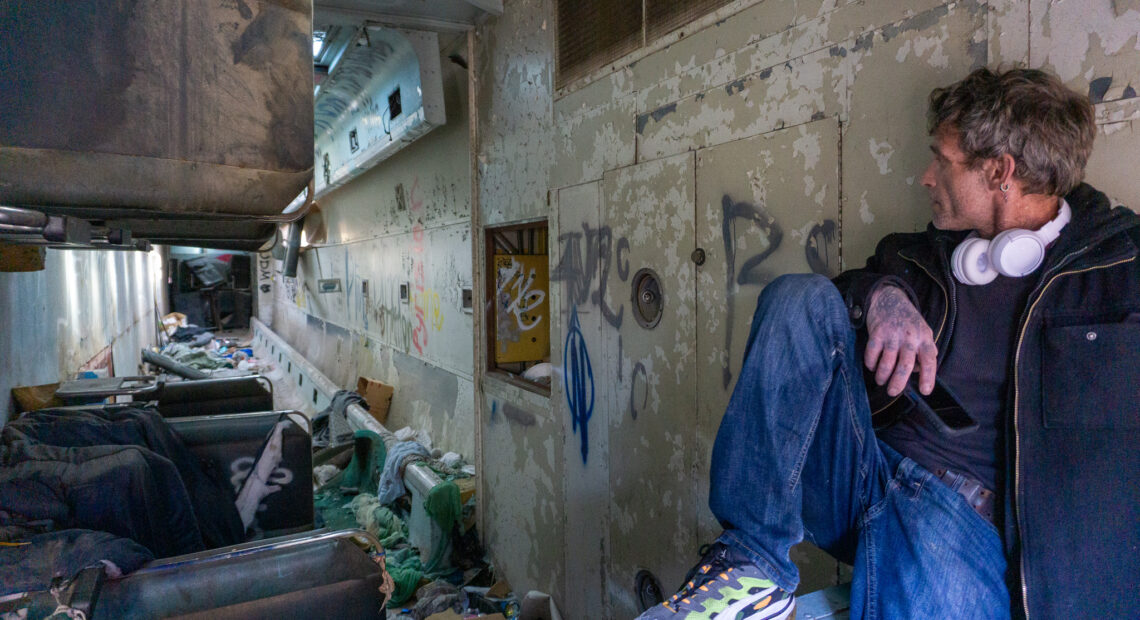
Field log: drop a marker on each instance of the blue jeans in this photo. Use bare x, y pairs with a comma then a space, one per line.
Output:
796, 458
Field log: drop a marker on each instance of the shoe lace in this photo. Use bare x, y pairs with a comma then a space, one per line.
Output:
711, 566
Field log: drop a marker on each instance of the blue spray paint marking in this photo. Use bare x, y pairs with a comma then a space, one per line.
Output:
579, 376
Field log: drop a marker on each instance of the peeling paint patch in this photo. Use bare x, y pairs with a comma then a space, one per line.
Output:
1098, 87
881, 152
734, 87
922, 21
656, 115
518, 416
865, 210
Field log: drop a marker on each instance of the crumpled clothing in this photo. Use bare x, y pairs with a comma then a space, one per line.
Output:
330, 426
58, 455
443, 506
199, 358
63, 554
421, 436
379, 520
323, 473
402, 454
406, 571
189, 333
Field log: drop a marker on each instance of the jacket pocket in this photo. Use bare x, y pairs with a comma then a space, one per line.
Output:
1091, 376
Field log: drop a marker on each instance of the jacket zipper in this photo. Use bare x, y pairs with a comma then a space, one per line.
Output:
1016, 406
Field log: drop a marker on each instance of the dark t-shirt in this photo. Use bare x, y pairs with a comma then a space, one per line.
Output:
977, 369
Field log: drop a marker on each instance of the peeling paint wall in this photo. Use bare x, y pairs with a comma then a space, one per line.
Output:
405, 224
83, 302
787, 137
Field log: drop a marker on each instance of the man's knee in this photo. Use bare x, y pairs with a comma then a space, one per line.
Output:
807, 291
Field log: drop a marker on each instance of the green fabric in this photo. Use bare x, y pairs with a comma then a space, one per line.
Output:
406, 571
442, 505
363, 471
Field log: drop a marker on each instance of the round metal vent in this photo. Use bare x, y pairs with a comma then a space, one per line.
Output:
648, 589
648, 301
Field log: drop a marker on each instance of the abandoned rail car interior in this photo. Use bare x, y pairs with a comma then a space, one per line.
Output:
483, 309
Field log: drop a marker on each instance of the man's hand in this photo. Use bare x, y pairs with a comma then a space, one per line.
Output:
897, 337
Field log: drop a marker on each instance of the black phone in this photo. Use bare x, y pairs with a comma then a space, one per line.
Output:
941, 410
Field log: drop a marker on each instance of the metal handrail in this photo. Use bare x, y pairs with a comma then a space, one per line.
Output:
14, 219
217, 555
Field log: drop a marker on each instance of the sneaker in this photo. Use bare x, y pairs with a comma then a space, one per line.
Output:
722, 589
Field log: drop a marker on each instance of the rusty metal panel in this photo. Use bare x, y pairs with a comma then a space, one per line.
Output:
766, 206
522, 315
168, 106
649, 211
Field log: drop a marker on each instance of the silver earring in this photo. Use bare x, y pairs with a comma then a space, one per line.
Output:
1004, 187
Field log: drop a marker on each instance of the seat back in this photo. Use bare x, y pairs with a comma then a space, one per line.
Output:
214, 396
229, 443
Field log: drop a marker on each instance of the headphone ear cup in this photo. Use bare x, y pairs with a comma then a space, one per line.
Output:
971, 264
1016, 252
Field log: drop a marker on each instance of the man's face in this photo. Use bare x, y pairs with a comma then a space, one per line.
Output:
960, 197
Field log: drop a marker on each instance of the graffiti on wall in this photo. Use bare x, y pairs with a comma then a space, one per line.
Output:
579, 381
416, 210
591, 254
751, 270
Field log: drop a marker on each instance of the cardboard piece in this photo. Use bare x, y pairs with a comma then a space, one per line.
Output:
378, 395
32, 397
448, 614
15, 258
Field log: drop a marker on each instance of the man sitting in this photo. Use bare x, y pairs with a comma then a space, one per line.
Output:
1022, 299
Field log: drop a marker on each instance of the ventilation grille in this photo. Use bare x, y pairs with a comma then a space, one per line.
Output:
665, 16
594, 33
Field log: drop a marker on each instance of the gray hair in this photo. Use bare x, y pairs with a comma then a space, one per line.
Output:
1031, 115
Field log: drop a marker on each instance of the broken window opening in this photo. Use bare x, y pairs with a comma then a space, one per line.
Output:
518, 321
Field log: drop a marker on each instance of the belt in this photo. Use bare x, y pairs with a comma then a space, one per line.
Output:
977, 496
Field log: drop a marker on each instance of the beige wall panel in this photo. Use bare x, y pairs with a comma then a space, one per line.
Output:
593, 139
433, 264
580, 256
790, 94
1094, 46
652, 415
524, 478
766, 206
885, 146
1085, 41
813, 31
759, 21
517, 135
1008, 33
1112, 167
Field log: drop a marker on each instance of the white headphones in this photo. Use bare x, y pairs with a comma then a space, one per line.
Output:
1013, 253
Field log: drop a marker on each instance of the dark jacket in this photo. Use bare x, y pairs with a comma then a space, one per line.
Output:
1073, 438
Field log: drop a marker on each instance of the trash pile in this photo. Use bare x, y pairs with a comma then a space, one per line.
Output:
358, 481
194, 352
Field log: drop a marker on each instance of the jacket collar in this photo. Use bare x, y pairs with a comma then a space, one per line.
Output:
1093, 235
